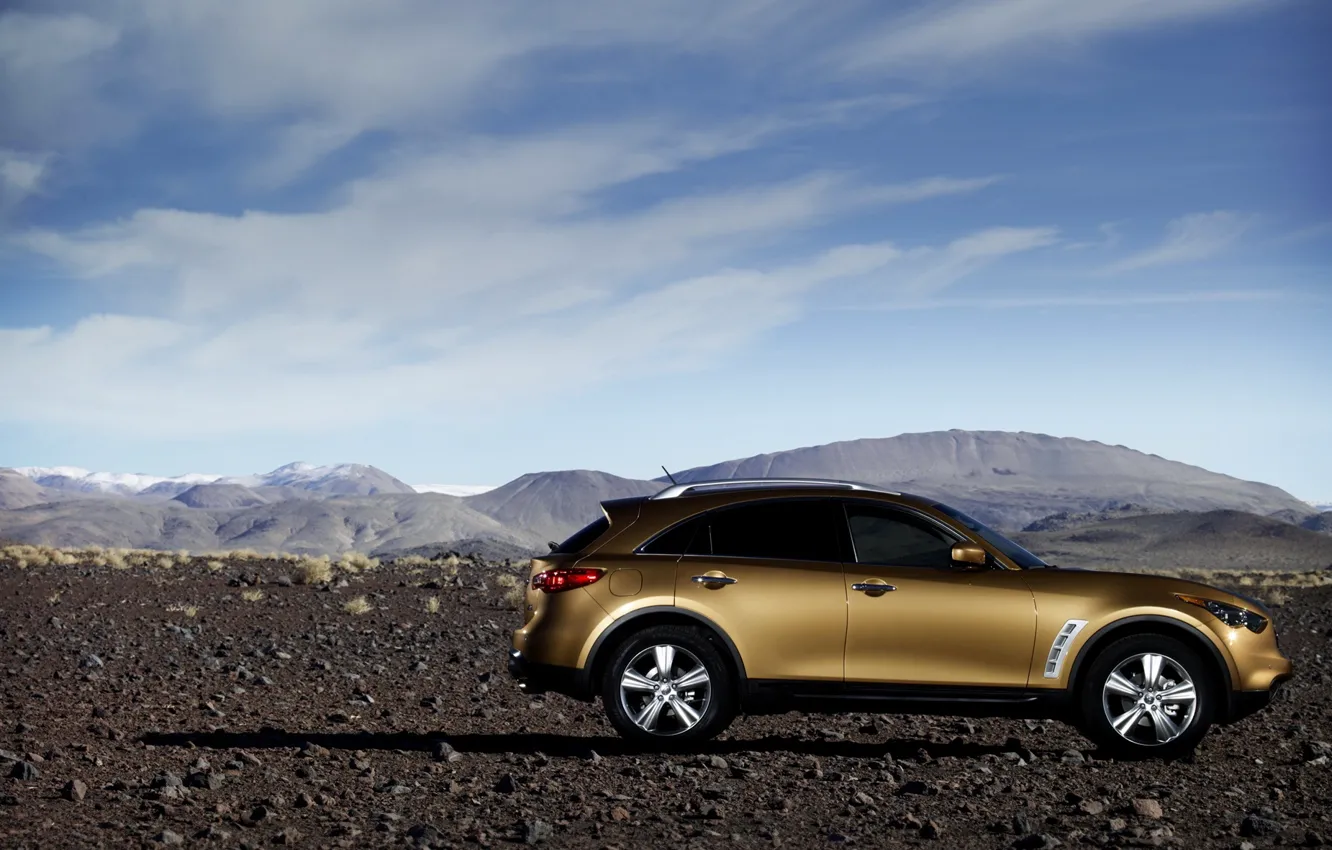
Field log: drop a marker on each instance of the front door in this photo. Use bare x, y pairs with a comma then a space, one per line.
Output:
769, 574
936, 625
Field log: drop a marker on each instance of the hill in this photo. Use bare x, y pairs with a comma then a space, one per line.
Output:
1222, 540
1013, 478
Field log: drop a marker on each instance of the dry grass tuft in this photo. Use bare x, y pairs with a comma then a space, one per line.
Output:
355, 562
432, 605
190, 611
314, 571
55, 597
252, 595
357, 606
215, 566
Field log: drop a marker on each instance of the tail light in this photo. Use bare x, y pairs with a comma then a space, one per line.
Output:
564, 578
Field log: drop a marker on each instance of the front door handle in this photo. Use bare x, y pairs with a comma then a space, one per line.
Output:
706, 579
873, 587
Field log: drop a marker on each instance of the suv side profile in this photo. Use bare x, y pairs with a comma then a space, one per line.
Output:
682, 609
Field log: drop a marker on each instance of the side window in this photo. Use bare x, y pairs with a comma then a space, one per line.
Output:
681, 539
783, 529
893, 538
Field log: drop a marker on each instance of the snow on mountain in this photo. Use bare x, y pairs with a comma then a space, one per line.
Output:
340, 479
454, 489
120, 483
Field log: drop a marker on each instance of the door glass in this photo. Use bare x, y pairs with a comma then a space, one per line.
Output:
893, 538
781, 529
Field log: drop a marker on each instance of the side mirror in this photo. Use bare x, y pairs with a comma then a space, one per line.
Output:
969, 556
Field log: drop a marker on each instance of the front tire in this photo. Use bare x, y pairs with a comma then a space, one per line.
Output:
1147, 696
668, 686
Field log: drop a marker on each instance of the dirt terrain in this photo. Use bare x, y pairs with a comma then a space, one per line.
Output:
229, 704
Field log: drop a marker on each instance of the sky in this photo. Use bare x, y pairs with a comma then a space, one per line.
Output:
464, 241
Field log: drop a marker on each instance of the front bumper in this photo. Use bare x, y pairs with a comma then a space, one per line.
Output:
540, 678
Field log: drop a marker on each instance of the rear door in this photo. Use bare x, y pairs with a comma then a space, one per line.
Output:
769, 574
914, 620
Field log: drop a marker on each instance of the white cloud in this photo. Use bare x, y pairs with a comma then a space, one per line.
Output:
942, 36
20, 175
1155, 299
175, 378
1190, 238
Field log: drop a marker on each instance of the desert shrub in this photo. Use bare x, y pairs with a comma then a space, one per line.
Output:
215, 566
182, 608
355, 562
252, 595
313, 571
357, 606
411, 561
432, 605
165, 562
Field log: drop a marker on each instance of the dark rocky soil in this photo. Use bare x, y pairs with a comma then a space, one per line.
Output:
290, 721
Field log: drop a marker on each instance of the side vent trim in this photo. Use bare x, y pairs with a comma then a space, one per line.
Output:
1054, 662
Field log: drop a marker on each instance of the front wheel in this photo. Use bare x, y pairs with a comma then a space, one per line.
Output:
1147, 696
668, 686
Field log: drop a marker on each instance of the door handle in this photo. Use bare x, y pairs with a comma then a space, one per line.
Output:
712, 580
872, 587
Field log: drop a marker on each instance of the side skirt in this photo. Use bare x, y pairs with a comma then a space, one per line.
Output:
776, 696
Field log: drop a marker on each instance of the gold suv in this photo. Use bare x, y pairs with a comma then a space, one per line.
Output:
681, 609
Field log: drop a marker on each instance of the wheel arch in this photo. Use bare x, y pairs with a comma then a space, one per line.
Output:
1150, 624
656, 615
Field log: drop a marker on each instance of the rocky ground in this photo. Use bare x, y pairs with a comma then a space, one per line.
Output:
231, 706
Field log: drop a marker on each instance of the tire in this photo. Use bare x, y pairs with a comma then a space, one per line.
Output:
675, 716
1153, 726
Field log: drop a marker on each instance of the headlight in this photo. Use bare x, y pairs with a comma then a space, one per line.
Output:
1232, 615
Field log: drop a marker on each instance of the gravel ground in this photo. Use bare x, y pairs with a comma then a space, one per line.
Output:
127, 719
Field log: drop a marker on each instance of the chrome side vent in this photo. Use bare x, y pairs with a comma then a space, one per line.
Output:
1054, 662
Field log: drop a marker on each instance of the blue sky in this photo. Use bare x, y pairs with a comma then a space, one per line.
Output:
463, 241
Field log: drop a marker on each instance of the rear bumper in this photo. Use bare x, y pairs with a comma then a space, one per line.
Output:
540, 678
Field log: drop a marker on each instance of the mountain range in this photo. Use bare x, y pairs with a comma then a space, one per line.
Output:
1010, 479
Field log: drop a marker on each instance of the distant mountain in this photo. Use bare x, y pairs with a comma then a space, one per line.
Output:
1207, 540
220, 496
454, 489
332, 525
78, 480
1012, 479
347, 479
19, 491
553, 505
1008, 479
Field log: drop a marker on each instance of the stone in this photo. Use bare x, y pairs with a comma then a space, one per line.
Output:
536, 831
1148, 808
444, 751
1259, 826
169, 838
1036, 841
75, 790
506, 784
24, 771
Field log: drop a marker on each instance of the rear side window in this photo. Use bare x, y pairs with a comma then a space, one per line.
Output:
781, 529
893, 538
584, 537
679, 540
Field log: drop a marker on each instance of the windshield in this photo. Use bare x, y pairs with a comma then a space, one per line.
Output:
1011, 550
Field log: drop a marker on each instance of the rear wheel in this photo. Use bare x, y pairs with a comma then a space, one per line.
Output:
1147, 696
670, 686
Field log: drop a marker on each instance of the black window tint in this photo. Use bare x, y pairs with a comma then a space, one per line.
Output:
675, 541
896, 539
794, 530
584, 537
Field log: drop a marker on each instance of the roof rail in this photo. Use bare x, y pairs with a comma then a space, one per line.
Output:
676, 490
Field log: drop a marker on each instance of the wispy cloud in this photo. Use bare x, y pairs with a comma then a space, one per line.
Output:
942, 36
1221, 296
1188, 239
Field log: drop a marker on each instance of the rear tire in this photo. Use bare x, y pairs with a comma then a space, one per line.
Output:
692, 700
1147, 696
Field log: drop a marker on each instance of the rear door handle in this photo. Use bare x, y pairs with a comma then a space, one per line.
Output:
871, 587
712, 580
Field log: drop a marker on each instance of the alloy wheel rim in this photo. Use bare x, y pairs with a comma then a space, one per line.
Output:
665, 690
1149, 699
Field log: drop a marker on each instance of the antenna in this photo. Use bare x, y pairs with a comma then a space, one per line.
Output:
668, 473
